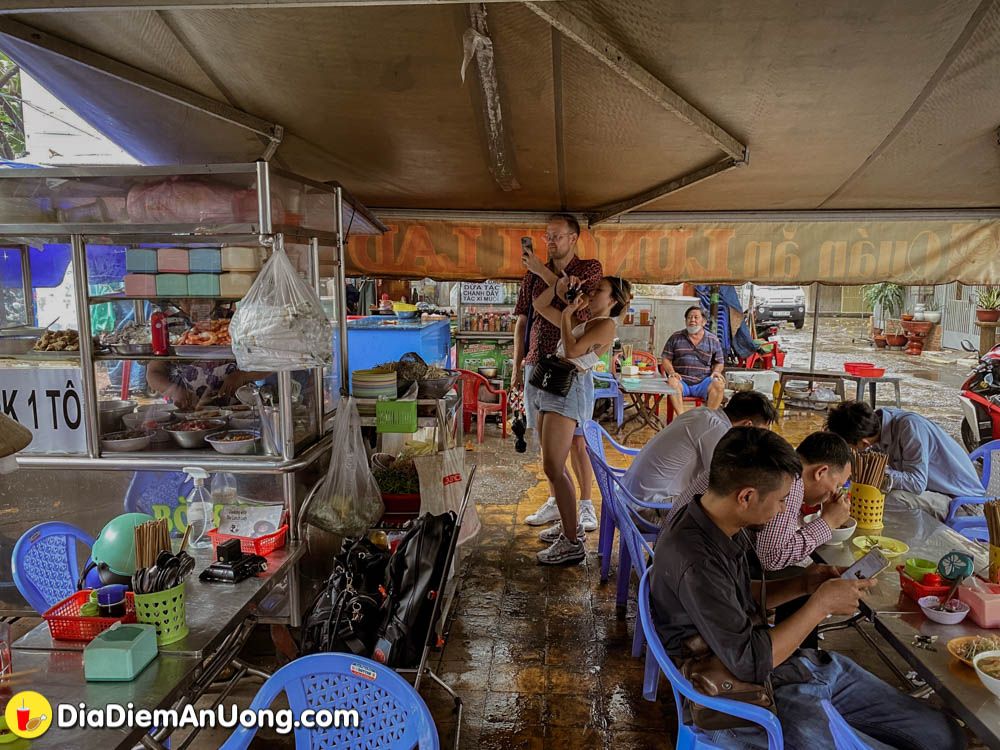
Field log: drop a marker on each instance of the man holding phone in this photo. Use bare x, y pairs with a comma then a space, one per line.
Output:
701, 589
535, 337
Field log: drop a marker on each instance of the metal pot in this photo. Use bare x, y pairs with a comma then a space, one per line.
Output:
111, 413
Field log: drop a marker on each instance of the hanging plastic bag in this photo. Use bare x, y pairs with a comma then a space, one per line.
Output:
349, 501
280, 323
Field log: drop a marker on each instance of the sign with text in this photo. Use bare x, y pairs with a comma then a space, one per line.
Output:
918, 251
48, 401
486, 293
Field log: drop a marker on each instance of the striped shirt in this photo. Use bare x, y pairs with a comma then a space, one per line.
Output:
693, 362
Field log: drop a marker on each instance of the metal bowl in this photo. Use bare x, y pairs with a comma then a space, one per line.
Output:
408, 314
206, 413
488, 372
131, 350
111, 413
194, 438
244, 423
436, 387
233, 447
17, 343
116, 442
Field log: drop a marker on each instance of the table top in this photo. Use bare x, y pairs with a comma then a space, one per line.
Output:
898, 618
211, 608
804, 373
655, 385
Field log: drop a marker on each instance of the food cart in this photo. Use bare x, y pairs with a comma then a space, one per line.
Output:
243, 211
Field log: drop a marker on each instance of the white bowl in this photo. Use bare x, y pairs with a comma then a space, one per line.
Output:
116, 443
232, 447
845, 532
991, 683
928, 604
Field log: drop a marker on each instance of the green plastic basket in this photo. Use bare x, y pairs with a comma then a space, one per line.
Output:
396, 416
165, 610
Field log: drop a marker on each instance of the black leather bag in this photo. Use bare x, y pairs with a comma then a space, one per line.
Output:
554, 375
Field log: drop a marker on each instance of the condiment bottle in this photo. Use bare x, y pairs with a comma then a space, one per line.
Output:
158, 329
199, 508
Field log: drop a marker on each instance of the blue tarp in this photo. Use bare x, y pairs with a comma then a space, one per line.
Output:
739, 344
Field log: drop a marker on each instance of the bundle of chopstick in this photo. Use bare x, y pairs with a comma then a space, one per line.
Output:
992, 512
868, 467
151, 538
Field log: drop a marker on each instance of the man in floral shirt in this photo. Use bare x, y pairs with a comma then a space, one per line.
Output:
561, 238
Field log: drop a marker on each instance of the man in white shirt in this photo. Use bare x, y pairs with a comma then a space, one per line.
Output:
683, 449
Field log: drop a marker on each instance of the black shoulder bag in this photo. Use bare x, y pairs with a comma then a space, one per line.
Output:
554, 375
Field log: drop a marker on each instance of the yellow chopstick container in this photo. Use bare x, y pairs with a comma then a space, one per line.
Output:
867, 505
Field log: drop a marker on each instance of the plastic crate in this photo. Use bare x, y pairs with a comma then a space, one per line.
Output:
399, 509
261, 545
66, 623
916, 590
396, 416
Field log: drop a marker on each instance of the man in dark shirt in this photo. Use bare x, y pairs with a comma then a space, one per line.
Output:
693, 361
701, 585
561, 238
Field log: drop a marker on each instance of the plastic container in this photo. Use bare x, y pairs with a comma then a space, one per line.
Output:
917, 568
67, 624
236, 284
261, 545
916, 590
205, 260
140, 284
399, 509
172, 260
166, 611
171, 285
850, 367
985, 608
396, 416
867, 506
203, 285
869, 372
140, 260
241, 258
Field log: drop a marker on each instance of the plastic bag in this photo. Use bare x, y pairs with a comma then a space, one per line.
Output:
349, 501
280, 323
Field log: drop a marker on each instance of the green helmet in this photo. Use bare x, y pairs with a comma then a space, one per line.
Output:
115, 547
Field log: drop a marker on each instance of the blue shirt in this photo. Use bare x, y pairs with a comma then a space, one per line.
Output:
924, 457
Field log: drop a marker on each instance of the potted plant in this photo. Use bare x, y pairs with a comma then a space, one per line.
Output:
932, 311
906, 316
896, 339
988, 302
885, 300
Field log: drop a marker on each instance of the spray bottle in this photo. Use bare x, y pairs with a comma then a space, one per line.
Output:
199, 508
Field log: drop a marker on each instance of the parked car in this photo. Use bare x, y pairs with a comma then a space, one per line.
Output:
776, 304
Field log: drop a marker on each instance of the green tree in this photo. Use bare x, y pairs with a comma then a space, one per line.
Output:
12, 142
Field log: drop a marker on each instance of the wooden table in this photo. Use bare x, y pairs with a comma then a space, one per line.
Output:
787, 374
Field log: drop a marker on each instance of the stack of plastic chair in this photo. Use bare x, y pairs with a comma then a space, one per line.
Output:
44, 563
605, 386
472, 384
391, 714
690, 737
974, 527
595, 435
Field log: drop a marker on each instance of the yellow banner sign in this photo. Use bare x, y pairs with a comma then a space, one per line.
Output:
843, 252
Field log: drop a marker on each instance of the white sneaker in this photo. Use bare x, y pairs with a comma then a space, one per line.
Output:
588, 515
546, 514
555, 531
563, 552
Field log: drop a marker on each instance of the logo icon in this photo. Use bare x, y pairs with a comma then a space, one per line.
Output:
28, 715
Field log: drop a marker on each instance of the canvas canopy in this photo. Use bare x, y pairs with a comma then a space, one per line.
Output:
596, 106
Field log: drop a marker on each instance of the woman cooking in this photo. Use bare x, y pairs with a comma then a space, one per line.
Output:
581, 345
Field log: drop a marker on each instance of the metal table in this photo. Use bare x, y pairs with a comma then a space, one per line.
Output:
637, 389
786, 374
898, 619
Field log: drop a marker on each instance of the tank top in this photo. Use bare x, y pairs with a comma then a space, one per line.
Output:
586, 361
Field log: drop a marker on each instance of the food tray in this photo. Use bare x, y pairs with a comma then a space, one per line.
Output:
261, 545
916, 590
66, 624
189, 350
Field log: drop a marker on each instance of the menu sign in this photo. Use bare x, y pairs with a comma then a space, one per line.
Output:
48, 402
486, 293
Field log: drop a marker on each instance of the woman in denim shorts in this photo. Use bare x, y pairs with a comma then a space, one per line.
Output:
559, 416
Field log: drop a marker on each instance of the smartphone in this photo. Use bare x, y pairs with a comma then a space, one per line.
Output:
866, 567
527, 248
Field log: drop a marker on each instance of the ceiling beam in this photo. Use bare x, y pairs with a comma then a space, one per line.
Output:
477, 37
141, 79
600, 46
64, 6
613, 210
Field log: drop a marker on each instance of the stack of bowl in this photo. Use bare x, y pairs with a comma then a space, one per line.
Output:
373, 384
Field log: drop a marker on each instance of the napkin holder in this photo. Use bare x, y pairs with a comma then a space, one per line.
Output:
120, 653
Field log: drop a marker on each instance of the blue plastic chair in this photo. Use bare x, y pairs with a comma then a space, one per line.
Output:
844, 736
44, 563
605, 386
594, 435
974, 527
392, 714
690, 737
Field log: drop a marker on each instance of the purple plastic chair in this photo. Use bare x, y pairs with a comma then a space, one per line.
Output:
44, 563
605, 386
594, 435
974, 527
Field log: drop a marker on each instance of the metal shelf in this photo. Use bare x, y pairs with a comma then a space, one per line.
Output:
200, 357
483, 335
100, 298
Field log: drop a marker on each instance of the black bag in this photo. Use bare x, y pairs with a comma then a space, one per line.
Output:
554, 375
346, 615
415, 572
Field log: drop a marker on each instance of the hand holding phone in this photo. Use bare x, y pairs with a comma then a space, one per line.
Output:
527, 247
866, 567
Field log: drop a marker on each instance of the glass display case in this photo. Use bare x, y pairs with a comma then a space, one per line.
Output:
485, 335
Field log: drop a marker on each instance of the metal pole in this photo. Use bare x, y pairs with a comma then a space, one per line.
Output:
264, 198
812, 349
82, 293
317, 372
29, 295
341, 292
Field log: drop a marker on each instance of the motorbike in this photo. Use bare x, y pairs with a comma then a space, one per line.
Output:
980, 398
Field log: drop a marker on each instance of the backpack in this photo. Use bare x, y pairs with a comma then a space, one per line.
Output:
415, 572
346, 614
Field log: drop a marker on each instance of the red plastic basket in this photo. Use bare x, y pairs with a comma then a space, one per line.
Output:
66, 623
261, 545
869, 372
916, 590
851, 367
399, 509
